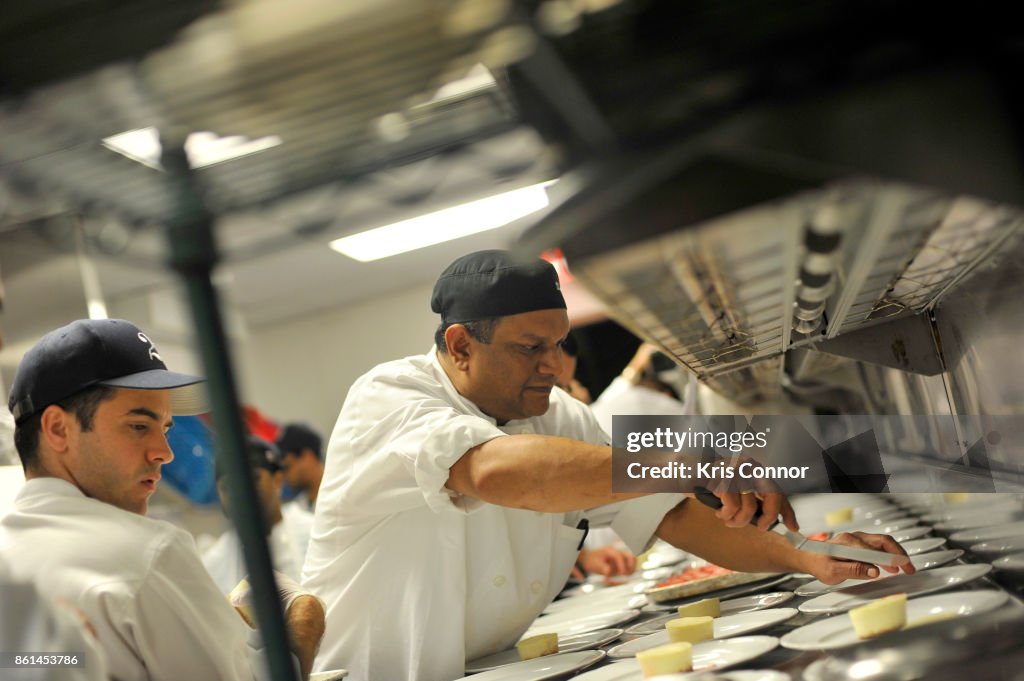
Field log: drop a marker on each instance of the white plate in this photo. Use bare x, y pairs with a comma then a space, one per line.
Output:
910, 533
917, 546
636, 584
572, 622
733, 606
569, 644
738, 675
622, 597
978, 534
916, 584
707, 656
997, 547
723, 594
332, 675
838, 632
949, 514
924, 561
1014, 563
979, 520
725, 627
663, 554
541, 668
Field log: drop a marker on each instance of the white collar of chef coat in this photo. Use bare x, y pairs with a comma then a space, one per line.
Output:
513, 426
48, 486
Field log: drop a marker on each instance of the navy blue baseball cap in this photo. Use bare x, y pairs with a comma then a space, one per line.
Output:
296, 437
94, 352
489, 284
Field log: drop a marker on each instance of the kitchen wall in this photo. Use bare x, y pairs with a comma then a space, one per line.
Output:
302, 369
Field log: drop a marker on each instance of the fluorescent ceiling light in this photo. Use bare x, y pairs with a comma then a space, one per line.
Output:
202, 148
444, 225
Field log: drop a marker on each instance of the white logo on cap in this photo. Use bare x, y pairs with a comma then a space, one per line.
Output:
153, 354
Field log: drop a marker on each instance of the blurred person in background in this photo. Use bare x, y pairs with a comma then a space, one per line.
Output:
92, 402
302, 458
289, 534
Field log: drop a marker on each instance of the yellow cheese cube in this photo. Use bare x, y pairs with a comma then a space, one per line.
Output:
840, 516
670, 658
880, 617
710, 607
691, 629
536, 646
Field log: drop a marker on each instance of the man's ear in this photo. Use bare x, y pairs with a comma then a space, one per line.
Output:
55, 428
459, 347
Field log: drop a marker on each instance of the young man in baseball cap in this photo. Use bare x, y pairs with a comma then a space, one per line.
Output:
92, 402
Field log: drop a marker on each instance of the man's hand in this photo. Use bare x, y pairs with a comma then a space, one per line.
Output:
830, 570
739, 507
305, 619
607, 561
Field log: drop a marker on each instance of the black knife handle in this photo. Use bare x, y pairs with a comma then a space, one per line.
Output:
704, 496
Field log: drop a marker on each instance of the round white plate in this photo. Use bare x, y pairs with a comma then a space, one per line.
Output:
978, 534
723, 594
733, 606
979, 520
838, 632
948, 514
738, 675
569, 644
917, 546
332, 675
910, 533
924, 561
1013, 563
917, 584
707, 656
725, 627
621, 597
541, 668
881, 512
635, 585
997, 547
573, 622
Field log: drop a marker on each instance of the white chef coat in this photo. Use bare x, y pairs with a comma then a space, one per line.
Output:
418, 579
287, 542
32, 623
158, 614
623, 398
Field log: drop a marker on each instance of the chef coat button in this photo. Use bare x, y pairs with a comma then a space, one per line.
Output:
499, 580
536, 587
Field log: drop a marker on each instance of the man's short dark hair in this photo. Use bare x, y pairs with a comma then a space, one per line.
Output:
482, 330
82, 404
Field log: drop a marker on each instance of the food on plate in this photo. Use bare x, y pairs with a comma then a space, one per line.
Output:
691, 629
956, 497
711, 607
537, 646
671, 658
880, 617
692, 574
818, 536
931, 619
840, 516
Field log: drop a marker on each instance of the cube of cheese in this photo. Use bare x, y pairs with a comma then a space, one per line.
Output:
691, 629
880, 617
710, 607
536, 646
670, 658
840, 516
